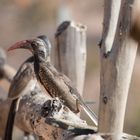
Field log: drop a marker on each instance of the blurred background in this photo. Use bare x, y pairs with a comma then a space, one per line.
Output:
22, 19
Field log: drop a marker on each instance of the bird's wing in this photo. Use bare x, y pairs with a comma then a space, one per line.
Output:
21, 80
58, 84
76, 94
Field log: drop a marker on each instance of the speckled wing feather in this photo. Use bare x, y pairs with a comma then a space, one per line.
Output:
55, 85
59, 85
74, 92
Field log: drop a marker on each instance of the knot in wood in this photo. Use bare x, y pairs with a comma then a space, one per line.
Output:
46, 108
50, 107
107, 54
105, 99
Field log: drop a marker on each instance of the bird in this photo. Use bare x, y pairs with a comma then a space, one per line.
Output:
23, 82
55, 83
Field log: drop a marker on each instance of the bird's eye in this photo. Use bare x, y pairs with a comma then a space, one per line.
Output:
34, 44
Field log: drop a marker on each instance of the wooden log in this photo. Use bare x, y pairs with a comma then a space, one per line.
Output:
35, 116
70, 52
46, 117
105, 136
117, 55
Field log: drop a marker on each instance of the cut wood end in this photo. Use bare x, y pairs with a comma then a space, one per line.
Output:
63, 26
78, 26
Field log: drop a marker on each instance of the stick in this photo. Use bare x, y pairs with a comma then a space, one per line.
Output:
116, 66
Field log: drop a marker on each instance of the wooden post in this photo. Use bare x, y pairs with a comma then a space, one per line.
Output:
70, 52
118, 51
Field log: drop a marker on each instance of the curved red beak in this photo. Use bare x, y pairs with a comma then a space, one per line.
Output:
25, 44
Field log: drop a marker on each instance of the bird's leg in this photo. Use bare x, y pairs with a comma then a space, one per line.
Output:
10, 121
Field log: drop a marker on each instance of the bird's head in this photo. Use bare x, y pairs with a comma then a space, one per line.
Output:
40, 47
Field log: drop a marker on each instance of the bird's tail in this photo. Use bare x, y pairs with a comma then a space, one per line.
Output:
10, 121
89, 112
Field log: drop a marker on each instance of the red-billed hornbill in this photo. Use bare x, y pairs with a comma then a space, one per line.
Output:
56, 84
23, 82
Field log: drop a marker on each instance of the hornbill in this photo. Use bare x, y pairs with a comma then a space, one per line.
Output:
56, 84
23, 82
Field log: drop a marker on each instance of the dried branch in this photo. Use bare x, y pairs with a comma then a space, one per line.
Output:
105, 136
41, 115
111, 14
116, 68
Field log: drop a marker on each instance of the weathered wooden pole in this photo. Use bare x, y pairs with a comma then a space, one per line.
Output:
117, 52
70, 52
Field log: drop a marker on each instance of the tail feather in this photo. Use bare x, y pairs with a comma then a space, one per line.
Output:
90, 113
10, 121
